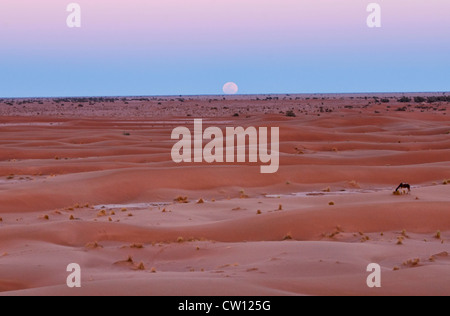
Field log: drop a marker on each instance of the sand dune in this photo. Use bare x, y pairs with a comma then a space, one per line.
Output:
95, 185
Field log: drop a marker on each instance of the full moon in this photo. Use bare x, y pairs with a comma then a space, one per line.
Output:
230, 88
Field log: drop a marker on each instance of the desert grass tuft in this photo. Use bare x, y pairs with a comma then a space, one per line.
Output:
331, 203
201, 201
93, 245
412, 262
137, 246
71, 218
180, 240
354, 184
243, 195
288, 237
1, 219
400, 240
153, 270
438, 235
182, 199
280, 207
258, 212
141, 266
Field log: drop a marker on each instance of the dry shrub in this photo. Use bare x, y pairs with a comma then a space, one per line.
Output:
182, 199
140, 266
243, 195
354, 184
93, 245
412, 262
288, 237
438, 235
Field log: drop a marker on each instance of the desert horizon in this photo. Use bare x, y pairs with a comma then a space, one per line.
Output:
90, 180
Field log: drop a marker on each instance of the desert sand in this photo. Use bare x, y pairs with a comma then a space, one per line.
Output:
91, 181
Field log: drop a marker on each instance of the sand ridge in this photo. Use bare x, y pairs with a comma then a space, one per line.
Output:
95, 184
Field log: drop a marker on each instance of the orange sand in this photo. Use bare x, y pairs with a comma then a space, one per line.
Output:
70, 161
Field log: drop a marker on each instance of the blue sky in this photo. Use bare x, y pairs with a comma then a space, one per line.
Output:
282, 46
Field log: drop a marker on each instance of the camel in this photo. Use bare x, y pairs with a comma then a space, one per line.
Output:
404, 186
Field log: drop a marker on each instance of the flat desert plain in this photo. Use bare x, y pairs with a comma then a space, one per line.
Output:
91, 181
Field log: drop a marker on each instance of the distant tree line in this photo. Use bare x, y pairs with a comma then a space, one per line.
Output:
425, 99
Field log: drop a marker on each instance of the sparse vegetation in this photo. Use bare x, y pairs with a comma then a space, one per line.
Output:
140, 266
182, 199
438, 235
93, 245
419, 99
243, 195
412, 262
288, 237
404, 99
291, 113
